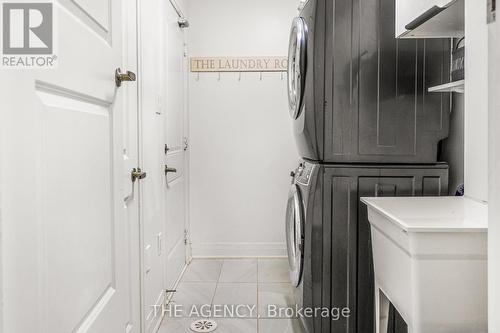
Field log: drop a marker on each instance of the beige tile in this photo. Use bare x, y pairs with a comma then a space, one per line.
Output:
273, 270
191, 294
203, 270
175, 325
280, 295
227, 325
239, 270
233, 294
280, 326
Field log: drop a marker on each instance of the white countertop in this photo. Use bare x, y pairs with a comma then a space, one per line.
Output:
432, 214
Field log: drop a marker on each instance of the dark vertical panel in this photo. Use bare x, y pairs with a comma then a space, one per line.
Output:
340, 203
330, 147
339, 58
319, 73
368, 76
435, 68
387, 80
396, 322
452, 148
377, 105
313, 251
387, 96
399, 323
431, 186
327, 274
355, 86
317, 247
365, 283
405, 99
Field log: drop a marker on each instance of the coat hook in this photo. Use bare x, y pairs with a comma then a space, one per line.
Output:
239, 76
261, 76
197, 76
281, 76
218, 78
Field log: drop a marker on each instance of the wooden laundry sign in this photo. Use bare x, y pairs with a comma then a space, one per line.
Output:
237, 64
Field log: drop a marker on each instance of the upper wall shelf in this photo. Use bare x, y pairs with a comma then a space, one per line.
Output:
438, 21
455, 86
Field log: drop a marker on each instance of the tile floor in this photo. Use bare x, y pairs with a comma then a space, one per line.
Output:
254, 282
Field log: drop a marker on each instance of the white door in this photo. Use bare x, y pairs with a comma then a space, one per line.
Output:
176, 145
152, 132
64, 237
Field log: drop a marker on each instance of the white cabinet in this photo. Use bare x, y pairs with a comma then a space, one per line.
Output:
429, 18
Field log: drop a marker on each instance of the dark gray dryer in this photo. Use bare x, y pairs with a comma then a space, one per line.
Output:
357, 94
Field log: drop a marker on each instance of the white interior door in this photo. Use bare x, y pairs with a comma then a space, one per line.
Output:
64, 237
176, 142
152, 132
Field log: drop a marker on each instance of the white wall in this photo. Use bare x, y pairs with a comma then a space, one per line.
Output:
181, 5
241, 143
476, 100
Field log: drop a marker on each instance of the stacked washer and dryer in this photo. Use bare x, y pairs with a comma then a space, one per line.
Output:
364, 125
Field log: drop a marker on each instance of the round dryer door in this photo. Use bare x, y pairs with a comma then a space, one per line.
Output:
295, 234
297, 66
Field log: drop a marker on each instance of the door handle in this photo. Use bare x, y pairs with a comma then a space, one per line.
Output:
167, 170
120, 77
137, 174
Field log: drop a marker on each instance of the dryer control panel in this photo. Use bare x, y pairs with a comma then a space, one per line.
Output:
304, 172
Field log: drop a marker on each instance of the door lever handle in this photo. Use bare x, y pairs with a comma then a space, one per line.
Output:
167, 170
120, 77
137, 174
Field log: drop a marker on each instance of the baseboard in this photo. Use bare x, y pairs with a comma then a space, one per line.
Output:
238, 250
176, 285
154, 320
175, 262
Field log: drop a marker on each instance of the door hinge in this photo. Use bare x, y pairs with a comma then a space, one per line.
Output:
186, 236
186, 143
137, 173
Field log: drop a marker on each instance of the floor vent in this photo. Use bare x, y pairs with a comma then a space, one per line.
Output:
203, 325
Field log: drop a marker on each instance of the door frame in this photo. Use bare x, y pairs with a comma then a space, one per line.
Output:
187, 225
130, 61
187, 222
185, 119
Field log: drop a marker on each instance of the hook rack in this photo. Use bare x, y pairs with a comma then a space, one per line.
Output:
240, 74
